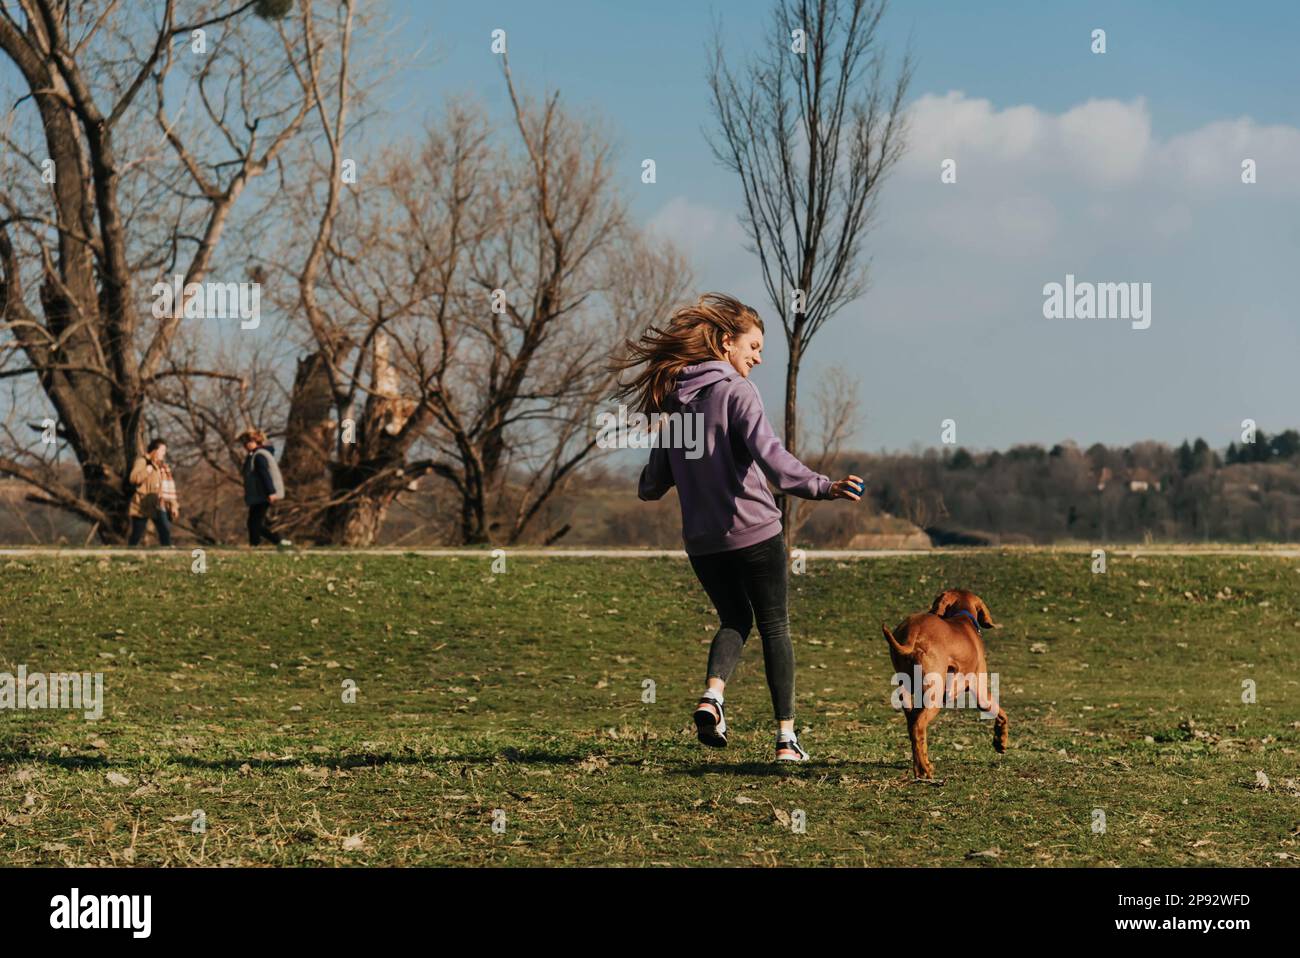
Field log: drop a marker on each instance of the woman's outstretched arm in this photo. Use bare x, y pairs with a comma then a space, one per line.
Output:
782, 469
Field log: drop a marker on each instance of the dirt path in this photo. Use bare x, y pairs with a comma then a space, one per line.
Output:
1279, 552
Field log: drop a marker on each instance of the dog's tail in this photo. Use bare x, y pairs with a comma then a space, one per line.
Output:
893, 642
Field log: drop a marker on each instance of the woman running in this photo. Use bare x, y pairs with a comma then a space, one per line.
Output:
699, 366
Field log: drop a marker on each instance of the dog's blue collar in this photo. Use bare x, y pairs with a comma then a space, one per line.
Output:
969, 616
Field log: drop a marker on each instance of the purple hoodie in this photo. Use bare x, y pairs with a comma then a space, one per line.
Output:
725, 501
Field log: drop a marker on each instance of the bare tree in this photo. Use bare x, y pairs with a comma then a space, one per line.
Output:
462, 301
106, 193
812, 128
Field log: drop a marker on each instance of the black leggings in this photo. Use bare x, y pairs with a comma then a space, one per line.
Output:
744, 585
258, 527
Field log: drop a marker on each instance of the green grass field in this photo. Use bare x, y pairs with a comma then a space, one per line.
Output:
523, 691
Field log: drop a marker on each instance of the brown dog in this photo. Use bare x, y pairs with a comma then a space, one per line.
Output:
943, 642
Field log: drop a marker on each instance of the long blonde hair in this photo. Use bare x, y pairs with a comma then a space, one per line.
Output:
693, 335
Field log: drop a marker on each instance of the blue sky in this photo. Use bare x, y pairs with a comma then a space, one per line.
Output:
1122, 167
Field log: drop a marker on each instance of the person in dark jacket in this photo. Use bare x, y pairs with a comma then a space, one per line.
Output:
699, 366
263, 487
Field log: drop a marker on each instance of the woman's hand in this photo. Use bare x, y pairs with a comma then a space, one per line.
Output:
849, 488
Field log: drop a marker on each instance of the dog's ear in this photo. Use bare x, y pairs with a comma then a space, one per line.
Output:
942, 602
982, 613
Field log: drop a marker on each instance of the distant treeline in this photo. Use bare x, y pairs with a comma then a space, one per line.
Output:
1146, 491
1149, 491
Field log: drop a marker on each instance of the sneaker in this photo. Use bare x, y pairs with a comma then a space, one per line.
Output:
789, 750
284, 544
710, 723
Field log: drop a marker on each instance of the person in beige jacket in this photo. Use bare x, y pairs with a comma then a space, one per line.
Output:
154, 495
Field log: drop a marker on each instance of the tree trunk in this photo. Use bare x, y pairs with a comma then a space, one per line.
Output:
310, 430
343, 493
356, 522
473, 511
786, 503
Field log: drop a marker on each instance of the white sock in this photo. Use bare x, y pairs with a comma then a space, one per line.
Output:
711, 694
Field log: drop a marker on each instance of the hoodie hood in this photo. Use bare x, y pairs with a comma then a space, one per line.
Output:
692, 379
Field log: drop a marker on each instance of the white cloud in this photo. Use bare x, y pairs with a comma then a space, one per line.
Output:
1212, 155
947, 126
1024, 174
1105, 141
1101, 142
696, 228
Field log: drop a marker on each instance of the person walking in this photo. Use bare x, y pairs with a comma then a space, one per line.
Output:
263, 487
153, 495
699, 365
